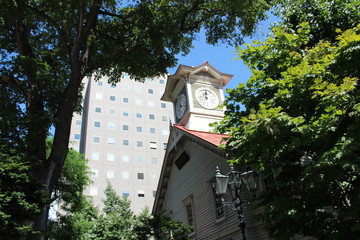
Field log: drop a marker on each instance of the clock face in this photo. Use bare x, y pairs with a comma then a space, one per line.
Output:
206, 98
180, 106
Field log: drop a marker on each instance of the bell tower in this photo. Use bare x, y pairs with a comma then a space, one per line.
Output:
197, 95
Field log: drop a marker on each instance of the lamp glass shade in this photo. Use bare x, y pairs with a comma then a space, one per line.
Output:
251, 179
221, 183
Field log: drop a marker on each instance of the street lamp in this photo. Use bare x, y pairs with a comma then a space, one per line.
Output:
233, 181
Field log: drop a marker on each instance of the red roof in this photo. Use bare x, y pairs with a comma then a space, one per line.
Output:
213, 138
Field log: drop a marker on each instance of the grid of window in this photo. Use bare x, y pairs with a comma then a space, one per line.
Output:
111, 111
164, 118
125, 193
149, 79
112, 98
151, 103
165, 146
189, 212
138, 101
151, 116
138, 115
153, 160
163, 105
78, 122
110, 174
96, 139
77, 136
162, 81
151, 91
125, 100
141, 193
125, 127
152, 130
125, 113
138, 89
125, 87
139, 129
99, 83
153, 145
98, 109
126, 142
97, 124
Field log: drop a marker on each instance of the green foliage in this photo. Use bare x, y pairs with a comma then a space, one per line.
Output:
48, 46
296, 121
20, 197
116, 221
159, 227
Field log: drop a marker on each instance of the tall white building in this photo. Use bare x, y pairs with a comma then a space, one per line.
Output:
123, 131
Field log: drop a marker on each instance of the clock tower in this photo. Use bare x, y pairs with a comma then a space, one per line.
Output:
197, 95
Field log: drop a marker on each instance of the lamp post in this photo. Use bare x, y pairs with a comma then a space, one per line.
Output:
233, 180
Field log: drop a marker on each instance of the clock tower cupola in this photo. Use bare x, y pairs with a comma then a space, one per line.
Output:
197, 95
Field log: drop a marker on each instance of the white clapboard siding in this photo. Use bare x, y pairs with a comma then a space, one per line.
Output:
193, 180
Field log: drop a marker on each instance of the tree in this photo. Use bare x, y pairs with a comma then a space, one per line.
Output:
159, 227
48, 47
75, 212
296, 120
116, 221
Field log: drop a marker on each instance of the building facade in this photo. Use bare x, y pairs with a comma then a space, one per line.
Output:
186, 186
123, 132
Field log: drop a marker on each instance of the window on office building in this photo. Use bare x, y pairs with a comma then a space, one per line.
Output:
125, 100
154, 160
125, 158
151, 103
151, 116
125, 87
110, 174
164, 118
152, 130
125, 175
99, 96
165, 132
138, 115
153, 145
111, 111
110, 157
140, 176
125, 142
125, 113
111, 125
78, 122
141, 193
162, 81
111, 140
99, 83
112, 98
165, 146
163, 105
98, 109
125, 127
96, 139
97, 124
151, 91
139, 143
125, 193
94, 172
149, 79
77, 136
138, 101
95, 155
139, 129
93, 191
139, 159
138, 89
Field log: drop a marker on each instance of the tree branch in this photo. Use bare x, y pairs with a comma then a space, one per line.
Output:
61, 33
16, 83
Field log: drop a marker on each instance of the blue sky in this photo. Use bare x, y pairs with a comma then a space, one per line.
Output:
222, 56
